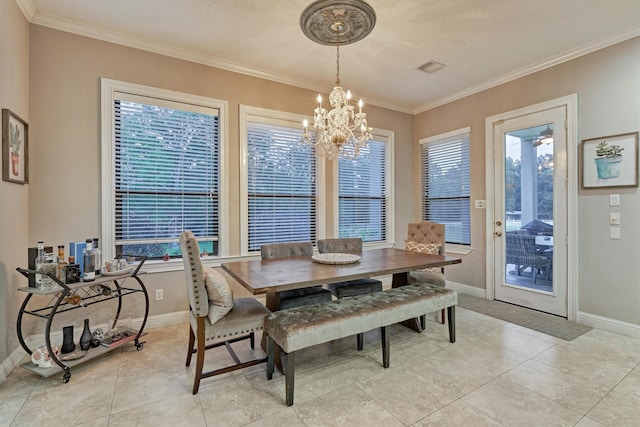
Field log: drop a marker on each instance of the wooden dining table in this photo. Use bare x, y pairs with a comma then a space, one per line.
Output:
272, 276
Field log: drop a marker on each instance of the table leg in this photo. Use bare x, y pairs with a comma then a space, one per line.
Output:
273, 304
402, 279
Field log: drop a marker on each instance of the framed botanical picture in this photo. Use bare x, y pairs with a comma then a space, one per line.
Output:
15, 148
610, 161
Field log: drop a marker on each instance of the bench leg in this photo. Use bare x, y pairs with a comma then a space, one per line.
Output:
289, 368
451, 316
384, 332
270, 356
360, 338
423, 321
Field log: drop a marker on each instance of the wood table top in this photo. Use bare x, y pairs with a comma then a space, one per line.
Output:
281, 274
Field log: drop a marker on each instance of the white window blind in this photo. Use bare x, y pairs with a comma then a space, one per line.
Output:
446, 184
281, 187
362, 194
166, 175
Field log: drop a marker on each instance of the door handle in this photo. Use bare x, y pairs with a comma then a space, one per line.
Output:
498, 223
498, 233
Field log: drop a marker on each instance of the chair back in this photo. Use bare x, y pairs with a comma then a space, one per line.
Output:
427, 232
282, 250
348, 245
194, 274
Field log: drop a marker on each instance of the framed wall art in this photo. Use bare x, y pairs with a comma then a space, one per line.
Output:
15, 148
610, 161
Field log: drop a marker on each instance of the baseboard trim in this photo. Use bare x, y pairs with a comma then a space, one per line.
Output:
466, 289
33, 341
10, 363
610, 325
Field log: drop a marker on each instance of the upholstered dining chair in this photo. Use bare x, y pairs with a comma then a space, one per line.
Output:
215, 317
427, 237
350, 288
295, 297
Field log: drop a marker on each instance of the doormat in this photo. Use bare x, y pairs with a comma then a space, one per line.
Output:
532, 319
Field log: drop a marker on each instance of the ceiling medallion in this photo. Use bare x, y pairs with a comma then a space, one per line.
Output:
333, 22
340, 131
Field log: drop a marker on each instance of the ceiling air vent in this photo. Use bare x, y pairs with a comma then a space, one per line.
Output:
431, 66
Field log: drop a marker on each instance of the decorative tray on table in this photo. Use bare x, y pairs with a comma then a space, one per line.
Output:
336, 258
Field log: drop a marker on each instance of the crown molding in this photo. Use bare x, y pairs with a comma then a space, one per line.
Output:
542, 65
27, 8
128, 40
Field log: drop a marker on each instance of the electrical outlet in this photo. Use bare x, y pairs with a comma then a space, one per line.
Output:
480, 204
159, 294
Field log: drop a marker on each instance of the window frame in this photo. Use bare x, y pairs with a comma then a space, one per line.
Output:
109, 90
387, 137
453, 247
249, 114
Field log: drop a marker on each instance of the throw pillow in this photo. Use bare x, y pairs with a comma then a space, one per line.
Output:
220, 295
424, 248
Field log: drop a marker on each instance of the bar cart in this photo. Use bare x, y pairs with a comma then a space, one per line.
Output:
72, 296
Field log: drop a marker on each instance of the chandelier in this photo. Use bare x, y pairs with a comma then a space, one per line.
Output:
341, 131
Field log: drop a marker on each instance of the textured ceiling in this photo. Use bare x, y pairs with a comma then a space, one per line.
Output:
481, 42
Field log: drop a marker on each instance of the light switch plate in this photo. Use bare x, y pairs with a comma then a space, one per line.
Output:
481, 204
614, 218
614, 200
614, 233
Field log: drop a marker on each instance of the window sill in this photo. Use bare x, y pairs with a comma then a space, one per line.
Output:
458, 249
159, 266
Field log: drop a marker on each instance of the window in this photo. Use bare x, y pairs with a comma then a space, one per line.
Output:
446, 184
363, 192
163, 172
280, 179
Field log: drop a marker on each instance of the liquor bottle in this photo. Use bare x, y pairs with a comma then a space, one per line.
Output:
98, 253
51, 266
40, 261
89, 257
62, 265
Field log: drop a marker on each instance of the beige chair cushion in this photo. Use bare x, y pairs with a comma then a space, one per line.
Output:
220, 295
425, 248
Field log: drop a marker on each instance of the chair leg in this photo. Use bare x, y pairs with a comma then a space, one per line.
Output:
289, 375
192, 340
384, 333
360, 339
199, 355
451, 314
252, 340
423, 321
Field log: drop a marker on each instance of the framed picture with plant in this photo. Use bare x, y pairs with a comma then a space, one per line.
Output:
15, 148
610, 161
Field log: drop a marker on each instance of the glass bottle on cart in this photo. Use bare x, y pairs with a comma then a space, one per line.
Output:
89, 257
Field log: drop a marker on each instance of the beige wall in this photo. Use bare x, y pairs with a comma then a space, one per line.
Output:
14, 95
65, 80
608, 86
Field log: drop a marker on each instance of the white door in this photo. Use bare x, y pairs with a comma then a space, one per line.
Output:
530, 210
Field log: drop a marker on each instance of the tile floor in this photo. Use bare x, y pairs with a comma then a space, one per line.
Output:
496, 374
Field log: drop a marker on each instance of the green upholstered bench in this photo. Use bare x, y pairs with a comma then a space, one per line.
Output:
303, 327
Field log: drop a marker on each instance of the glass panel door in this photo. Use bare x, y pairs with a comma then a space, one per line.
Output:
530, 211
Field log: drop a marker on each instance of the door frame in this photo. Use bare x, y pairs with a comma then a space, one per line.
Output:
570, 102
